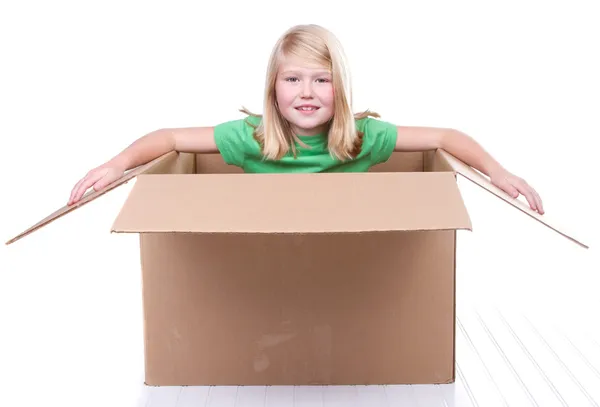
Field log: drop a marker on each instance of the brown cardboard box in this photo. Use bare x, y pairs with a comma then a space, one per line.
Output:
297, 279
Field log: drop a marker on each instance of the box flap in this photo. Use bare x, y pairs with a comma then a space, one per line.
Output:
474, 176
91, 195
293, 203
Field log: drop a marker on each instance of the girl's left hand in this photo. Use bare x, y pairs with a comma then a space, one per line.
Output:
513, 185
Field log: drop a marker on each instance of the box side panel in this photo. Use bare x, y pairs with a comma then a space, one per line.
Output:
436, 162
402, 162
299, 309
214, 164
182, 164
427, 158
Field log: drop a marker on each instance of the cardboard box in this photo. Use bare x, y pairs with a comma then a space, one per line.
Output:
297, 279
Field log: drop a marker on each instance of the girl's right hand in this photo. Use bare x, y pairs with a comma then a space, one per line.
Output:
97, 178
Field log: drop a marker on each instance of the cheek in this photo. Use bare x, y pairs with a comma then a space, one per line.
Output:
327, 96
284, 94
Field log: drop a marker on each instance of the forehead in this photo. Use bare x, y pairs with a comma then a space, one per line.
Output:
303, 66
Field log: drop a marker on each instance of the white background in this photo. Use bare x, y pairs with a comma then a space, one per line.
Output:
82, 80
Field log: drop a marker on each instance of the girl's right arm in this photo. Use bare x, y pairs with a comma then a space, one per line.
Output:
144, 150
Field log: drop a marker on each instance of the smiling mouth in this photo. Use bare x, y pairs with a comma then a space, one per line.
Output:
307, 108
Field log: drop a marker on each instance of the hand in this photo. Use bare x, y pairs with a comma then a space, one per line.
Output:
97, 178
513, 185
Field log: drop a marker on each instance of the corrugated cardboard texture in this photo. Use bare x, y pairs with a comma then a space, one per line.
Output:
293, 203
368, 308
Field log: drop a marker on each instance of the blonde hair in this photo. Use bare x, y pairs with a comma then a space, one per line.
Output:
314, 44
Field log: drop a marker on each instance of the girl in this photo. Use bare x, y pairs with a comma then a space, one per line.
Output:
307, 126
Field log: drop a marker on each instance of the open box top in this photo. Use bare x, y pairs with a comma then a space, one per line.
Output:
167, 200
293, 203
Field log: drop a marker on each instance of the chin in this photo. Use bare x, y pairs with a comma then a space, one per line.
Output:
316, 119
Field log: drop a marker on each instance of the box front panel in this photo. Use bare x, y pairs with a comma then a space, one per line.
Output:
299, 309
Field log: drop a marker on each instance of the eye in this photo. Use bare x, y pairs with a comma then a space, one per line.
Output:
291, 79
323, 80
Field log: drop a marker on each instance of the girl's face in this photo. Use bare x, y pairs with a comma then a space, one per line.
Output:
305, 96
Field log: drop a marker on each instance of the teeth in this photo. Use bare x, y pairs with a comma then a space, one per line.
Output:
307, 108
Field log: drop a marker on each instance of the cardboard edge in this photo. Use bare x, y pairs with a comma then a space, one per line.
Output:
292, 232
92, 195
146, 340
478, 179
454, 316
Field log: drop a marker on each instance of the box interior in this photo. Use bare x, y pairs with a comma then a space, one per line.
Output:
399, 162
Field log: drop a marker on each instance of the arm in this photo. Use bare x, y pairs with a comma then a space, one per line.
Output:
466, 149
160, 142
144, 150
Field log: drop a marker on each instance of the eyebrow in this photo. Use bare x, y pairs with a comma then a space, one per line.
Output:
323, 72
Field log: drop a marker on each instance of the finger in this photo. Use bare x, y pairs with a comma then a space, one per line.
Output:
540, 204
538, 200
76, 193
526, 191
101, 183
510, 189
532, 196
535, 199
74, 190
86, 185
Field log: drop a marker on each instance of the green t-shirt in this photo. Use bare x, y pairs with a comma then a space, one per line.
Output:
238, 147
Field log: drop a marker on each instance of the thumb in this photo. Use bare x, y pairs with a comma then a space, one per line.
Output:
512, 191
102, 182
508, 188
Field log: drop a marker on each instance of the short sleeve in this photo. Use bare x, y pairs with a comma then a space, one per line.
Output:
232, 140
381, 137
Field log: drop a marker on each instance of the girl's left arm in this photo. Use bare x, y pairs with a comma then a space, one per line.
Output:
466, 149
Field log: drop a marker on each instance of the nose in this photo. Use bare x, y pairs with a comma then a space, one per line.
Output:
306, 89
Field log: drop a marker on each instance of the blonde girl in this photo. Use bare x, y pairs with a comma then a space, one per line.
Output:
307, 125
